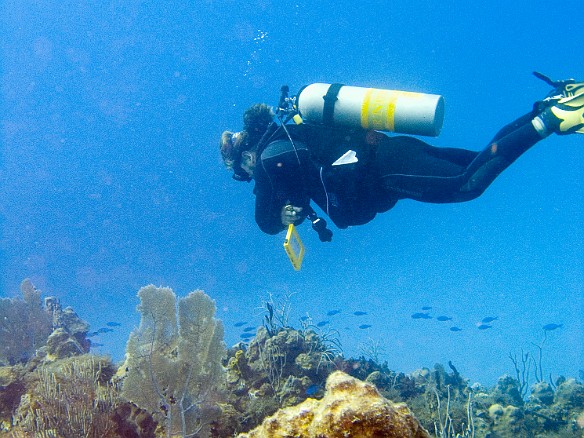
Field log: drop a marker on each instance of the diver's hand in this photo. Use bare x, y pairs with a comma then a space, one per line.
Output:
291, 215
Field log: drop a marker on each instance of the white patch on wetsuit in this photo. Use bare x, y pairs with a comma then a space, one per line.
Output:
348, 157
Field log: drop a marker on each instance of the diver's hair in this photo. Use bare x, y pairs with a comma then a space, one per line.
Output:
256, 120
231, 150
226, 148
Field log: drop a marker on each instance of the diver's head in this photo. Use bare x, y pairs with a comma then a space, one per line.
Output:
239, 149
237, 154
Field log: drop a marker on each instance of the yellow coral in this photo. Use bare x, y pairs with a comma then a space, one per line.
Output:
350, 407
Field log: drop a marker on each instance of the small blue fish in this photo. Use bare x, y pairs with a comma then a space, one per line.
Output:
455, 329
489, 319
240, 324
332, 312
312, 389
304, 318
427, 308
359, 313
91, 334
364, 326
113, 324
444, 318
96, 345
484, 326
421, 315
246, 335
549, 327
105, 330
322, 323
249, 329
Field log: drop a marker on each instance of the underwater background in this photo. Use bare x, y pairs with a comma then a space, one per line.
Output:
110, 176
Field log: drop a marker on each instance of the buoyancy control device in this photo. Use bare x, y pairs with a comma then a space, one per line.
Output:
341, 106
346, 106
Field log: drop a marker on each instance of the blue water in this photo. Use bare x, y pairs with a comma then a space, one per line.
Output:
110, 176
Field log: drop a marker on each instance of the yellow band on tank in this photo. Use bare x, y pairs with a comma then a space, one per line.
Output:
297, 119
378, 109
365, 108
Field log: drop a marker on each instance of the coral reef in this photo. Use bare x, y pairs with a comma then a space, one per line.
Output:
68, 397
280, 367
349, 407
24, 325
133, 422
178, 380
27, 328
173, 362
69, 336
442, 400
12, 387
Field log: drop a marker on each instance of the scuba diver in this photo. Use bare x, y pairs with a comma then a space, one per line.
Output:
354, 172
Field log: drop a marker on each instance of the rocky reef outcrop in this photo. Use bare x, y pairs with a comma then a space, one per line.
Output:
349, 407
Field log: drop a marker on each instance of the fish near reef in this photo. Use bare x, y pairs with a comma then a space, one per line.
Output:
489, 319
364, 326
484, 326
312, 389
444, 318
455, 329
105, 330
421, 315
550, 327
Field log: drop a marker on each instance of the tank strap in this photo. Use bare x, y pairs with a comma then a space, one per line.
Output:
330, 98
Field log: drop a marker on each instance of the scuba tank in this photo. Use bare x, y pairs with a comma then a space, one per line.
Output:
371, 108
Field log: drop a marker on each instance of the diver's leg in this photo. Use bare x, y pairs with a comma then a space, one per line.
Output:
410, 168
500, 153
439, 175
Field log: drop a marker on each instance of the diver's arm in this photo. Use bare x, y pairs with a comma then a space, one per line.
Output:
267, 211
280, 195
273, 215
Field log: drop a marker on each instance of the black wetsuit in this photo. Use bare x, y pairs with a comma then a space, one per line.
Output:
388, 169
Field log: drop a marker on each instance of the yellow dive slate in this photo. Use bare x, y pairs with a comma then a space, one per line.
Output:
294, 247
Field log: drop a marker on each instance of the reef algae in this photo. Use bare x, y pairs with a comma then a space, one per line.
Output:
349, 407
